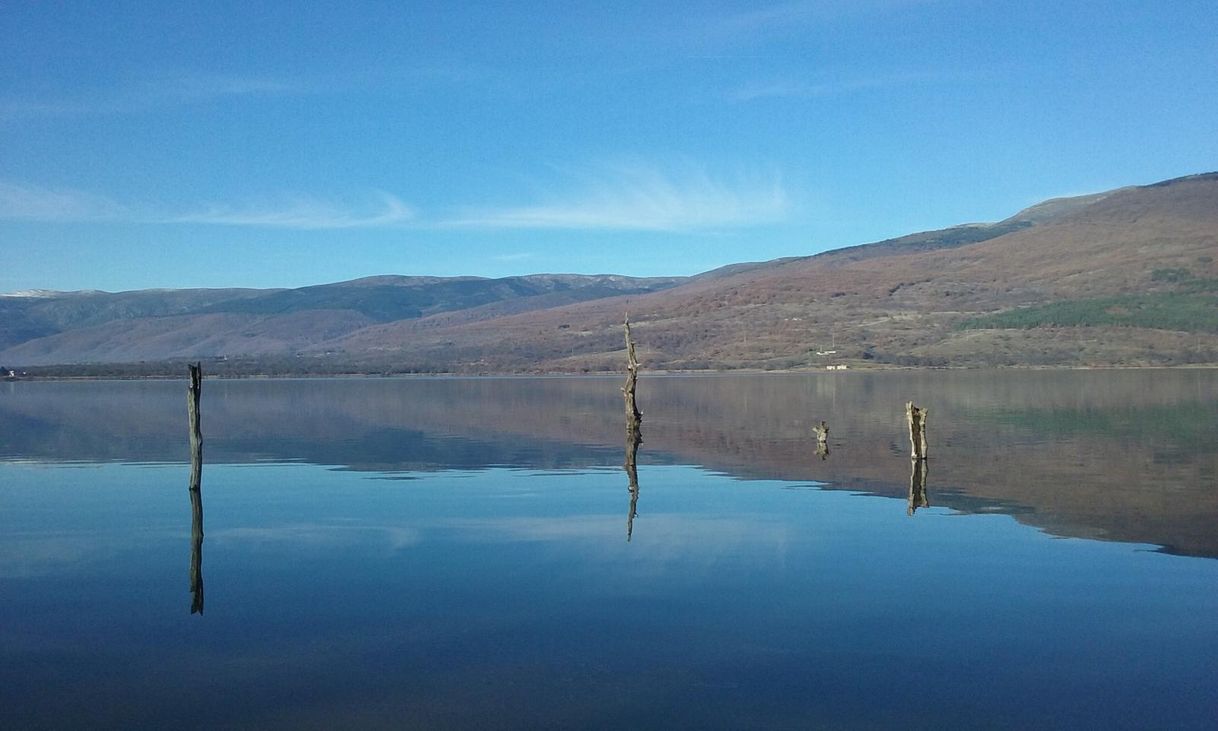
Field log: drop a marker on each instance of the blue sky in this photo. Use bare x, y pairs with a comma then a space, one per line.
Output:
267, 144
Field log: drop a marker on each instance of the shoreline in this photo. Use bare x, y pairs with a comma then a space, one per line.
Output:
710, 373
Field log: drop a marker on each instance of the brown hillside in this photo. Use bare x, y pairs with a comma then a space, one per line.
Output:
898, 304
1126, 277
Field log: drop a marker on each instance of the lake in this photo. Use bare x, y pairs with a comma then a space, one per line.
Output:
472, 553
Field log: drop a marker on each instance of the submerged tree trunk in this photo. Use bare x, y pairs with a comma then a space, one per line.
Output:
822, 440
193, 392
633, 416
196, 494
917, 430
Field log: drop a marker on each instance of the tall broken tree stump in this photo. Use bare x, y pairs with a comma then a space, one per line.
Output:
193, 392
822, 432
192, 407
917, 430
633, 416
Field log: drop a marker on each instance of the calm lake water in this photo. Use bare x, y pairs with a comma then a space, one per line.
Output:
469, 553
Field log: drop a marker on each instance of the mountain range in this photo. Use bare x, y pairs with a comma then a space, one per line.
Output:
1125, 277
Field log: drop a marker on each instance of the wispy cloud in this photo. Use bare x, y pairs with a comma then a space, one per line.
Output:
304, 213
760, 23
20, 201
806, 89
149, 94
641, 197
521, 256
628, 197
168, 91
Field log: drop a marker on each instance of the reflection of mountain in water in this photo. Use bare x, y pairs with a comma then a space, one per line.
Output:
1126, 455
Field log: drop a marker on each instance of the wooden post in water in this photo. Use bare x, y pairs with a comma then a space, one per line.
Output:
917, 486
822, 440
192, 407
917, 430
633, 417
193, 392
822, 432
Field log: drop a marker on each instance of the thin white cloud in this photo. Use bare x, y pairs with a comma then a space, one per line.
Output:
642, 198
759, 23
210, 86
304, 213
149, 94
20, 201
804, 89
627, 197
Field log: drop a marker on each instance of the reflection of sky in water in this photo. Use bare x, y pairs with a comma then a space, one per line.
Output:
510, 597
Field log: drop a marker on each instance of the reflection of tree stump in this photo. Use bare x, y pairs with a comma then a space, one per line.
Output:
917, 486
633, 417
633, 439
917, 430
196, 544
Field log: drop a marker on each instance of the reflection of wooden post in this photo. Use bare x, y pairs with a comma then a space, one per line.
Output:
633, 438
917, 486
196, 543
196, 494
633, 417
917, 430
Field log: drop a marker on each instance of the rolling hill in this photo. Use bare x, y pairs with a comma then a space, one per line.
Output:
1125, 277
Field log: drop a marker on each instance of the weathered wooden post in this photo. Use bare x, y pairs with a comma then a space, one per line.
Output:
193, 392
192, 407
917, 430
633, 416
633, 438
917, 487
822, 440
822, 432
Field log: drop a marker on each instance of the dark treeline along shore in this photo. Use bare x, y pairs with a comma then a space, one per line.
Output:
1126, 277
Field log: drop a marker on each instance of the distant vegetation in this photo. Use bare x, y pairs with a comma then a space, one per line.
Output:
1170, 275
1192, 310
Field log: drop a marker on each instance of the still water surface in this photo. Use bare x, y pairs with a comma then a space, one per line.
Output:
469, 553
